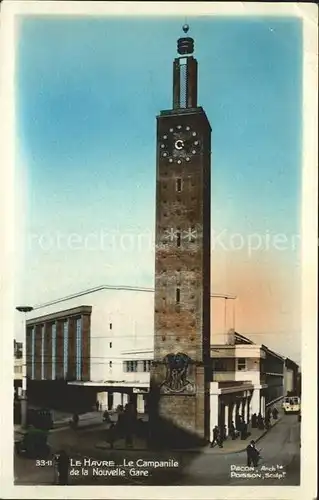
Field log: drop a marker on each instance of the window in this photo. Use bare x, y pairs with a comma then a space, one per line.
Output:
146, 365
17, 350
65, 347
110, 345
220, 365
32, 352
178, 295
179, 185
130, 366
183, 83
78, 348
42, 352
111, 326
241, 364
178, 238
110, 364
53, 351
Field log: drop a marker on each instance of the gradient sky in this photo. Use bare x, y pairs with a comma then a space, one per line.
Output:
88, 91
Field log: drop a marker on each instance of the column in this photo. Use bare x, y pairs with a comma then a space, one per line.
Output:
102, 398
227, 419
255, 401
263, 406
234, 413
213, 420
247, 410
117, 399
140, 403
240, 407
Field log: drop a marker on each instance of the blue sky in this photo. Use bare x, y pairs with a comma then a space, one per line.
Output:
88, 91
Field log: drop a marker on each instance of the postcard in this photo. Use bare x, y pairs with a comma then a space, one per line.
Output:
159, 206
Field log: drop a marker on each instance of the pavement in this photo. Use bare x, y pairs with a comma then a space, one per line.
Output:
229, 445
279, 464
237, 445
280, 450
92, 419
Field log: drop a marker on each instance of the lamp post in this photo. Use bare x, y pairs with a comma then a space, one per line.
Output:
24, 402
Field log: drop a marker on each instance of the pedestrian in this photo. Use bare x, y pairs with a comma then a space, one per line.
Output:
75, 421
63, 463
275, 413
232, 431
254, 421
97, 406
260, 422
237, 420
267, 421
111, 435
243, 431
106, 417
215, 436
252, 454
220, 439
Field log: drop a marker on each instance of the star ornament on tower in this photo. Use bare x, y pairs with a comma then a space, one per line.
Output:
190, 235
171, 234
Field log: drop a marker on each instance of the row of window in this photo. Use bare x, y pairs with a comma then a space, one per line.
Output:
53, 351
137, 366
222, 365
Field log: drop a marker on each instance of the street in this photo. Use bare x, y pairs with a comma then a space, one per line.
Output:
279, 465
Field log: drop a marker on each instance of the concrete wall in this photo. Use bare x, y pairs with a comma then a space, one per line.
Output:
120, 320
288, 381
18, 365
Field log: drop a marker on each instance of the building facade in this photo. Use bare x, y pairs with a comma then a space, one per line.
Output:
18, 367
75, 345
118, 334
291, 375
247, 378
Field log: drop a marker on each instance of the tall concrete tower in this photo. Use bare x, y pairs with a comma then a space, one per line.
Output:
179, 392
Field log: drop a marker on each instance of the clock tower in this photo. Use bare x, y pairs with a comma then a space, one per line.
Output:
179, 394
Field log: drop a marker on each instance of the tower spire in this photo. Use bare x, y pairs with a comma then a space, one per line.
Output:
185, 73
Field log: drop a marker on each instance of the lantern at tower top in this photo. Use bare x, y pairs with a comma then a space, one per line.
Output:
185, 45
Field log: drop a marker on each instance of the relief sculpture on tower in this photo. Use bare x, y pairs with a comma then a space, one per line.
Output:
177, 374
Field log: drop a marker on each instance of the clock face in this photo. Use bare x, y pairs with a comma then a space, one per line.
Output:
179, 143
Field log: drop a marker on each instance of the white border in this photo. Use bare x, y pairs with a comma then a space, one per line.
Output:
308, 13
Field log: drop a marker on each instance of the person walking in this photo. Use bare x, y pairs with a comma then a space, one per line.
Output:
75, 421
260, 422
106, 417
253, 454
63, 463
267, 421
274, 413
232, 431
254, 421
220, 438
244, 431
215, 436
111, 435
